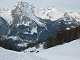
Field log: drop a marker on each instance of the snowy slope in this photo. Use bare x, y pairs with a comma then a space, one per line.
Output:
11, 55
68, 51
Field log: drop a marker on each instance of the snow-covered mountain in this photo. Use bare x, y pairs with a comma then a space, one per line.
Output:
25, 27
75, 15
24, 11
25, 24
28, 24
51, 13
68, 20
27, 11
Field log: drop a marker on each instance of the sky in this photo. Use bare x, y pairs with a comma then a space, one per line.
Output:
65, 4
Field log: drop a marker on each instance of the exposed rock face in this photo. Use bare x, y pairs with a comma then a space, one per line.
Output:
4, 27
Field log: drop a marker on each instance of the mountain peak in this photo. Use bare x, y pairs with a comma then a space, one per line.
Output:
66, 14
24, 10
51, 13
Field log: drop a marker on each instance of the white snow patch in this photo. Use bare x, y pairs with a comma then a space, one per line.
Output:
34, 30
67, 28
13, 37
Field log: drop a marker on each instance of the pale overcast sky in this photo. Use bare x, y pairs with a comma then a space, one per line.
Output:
67, 4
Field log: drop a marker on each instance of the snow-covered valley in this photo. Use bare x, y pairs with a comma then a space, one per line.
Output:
67, 51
